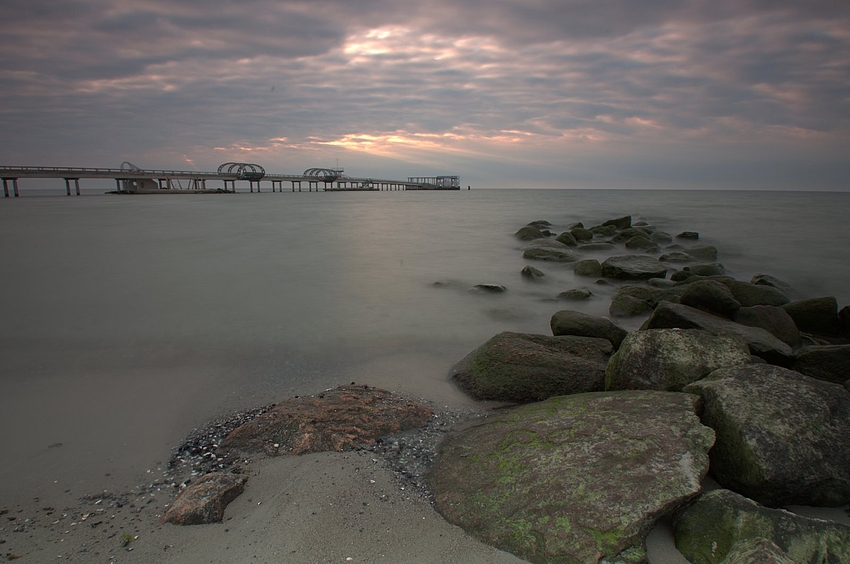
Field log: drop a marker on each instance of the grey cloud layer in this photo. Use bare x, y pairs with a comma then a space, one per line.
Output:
160, 77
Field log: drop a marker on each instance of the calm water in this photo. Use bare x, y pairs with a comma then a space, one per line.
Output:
127, 321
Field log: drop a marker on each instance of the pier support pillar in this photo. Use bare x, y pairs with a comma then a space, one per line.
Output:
6, 187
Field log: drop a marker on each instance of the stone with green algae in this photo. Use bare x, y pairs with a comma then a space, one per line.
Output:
580, 478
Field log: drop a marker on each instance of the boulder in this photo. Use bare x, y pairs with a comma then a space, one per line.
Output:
528, 233
644, 226
824, 362
844, 320
782, 438
575, 478
581, 234
650, 293
627, 234
588, 267
567, 239
552, 255
520, 367
701, 270
642, 243
488, 289
816, 315
670, 359
661, 238
711, 296
710, 529
768, 280
575, 295
668, 315
204, 500
676, 256
705, 252
531, 273
633, 267
619, 223
540, 224
342, 418
756, 294
688, 236
603, 230
624, 305
569, 322
597, 247
757, 549
773, 319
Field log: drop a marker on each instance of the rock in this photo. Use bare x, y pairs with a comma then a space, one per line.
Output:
528, 233
644, 226
568, 322
711, 296
340, 419
588, 267
603, 230
624, 305
756, 294
523, 368
567, 239
575, 295
640, 299
642, 243
633, 267
204, 501
619, 223
661, 238
553, 255
531, 273
676, 256
711, 528
688, 235
762, 344
825, 362
540, 224
844, 320
772, 319
670, 359
488, 289
581, 234
757, 549
627, 234
714, 269
782, 437
706, 252
574, 478
816, 315
597, 247
768, 280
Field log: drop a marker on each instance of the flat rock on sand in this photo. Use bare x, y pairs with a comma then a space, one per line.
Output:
343, 418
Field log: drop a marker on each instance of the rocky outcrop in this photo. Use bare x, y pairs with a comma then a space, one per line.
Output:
762, 344
343, 418
825, 362
816, 315
772, 319
720, 524
633, 267
204, 501
519, 367
670, 359
575, 478
782, 437
579, 324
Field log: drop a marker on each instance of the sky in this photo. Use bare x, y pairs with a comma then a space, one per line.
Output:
726, 94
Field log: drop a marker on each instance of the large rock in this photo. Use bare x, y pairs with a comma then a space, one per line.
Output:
575, 478
642, 243
579, 324
619, 223
633, 267
719, 522
782, 438
773, 319
204, 501
670, 359
523, 368
588, 267
757, 549
749, 294
816, 315
550, 254
528, 233
825, 362
343, 418
581, 234
627, 234
762, 344
711, 296
567, 239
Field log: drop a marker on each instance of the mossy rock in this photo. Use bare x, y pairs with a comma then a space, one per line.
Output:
568, 322
575, 478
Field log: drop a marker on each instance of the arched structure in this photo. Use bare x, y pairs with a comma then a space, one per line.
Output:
324, 174
243, 171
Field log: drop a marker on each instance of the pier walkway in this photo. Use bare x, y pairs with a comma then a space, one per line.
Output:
130, 179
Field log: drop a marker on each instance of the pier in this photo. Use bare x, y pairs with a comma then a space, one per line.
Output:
130, 179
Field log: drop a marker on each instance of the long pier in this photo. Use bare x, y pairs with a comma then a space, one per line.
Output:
133, 180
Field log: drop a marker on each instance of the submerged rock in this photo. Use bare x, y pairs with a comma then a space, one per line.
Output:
342, 418
531, 273
688, 235
488, 289
670, 359
204, 501
633, 267
520, 367
720, 524
574, 478
705, 252
575, 295
548, 254
782, 438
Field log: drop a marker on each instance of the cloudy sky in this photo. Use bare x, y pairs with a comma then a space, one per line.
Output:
505, 93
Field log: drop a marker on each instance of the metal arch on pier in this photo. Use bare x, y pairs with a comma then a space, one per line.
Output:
243, 171
323, 174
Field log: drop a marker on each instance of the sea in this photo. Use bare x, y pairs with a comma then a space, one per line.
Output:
129, 321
